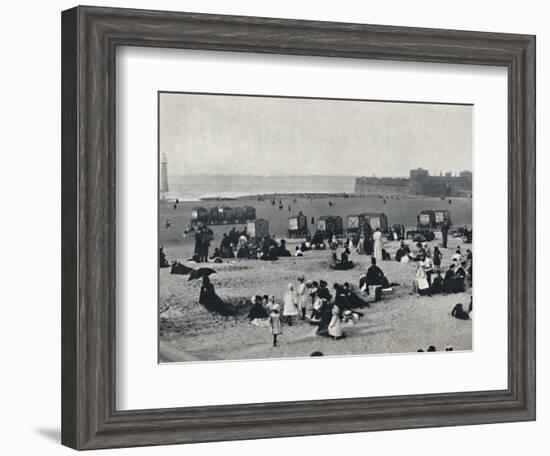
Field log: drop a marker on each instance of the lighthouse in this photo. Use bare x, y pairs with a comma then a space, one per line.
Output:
164, 174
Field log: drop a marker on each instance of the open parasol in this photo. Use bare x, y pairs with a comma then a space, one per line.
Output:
200, 273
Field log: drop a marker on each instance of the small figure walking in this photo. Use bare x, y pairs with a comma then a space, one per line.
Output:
275, 323
335, 325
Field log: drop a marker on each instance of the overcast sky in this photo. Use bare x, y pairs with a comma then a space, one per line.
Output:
220, 134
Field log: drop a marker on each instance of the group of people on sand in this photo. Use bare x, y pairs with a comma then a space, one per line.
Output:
315, 303
428, 279
203, 237
367, 241
238, 244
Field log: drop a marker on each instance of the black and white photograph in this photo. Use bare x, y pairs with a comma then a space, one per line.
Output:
294, 227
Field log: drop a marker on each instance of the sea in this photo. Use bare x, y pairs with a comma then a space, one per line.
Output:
194, 188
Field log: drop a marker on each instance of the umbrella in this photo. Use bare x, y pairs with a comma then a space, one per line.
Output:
201, 272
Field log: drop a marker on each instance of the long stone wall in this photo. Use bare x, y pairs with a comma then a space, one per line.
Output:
418, 184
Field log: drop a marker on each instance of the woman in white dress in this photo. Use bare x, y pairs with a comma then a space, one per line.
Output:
420, 283
361, 244
335, 325
290, 308
302, 297
377, 238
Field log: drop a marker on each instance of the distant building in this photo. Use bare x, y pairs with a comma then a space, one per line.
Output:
419, 182
382, 185
164, 174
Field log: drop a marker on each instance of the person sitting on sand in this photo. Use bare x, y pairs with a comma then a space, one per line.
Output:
323, 292
354, 300
210, 300
427, 264
290, 308
437, 284
257, 311
216, 254
402, 253
420, 282
457, 256
340, 298
460, 277
448, 282
282, 250
344, 263
298, 252
459, 312
374, 276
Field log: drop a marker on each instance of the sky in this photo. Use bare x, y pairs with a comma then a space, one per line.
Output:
268, 136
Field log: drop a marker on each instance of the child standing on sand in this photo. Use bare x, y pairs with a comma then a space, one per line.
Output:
275, 323
335, 325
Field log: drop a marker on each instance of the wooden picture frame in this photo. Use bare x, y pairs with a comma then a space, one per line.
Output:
90, 37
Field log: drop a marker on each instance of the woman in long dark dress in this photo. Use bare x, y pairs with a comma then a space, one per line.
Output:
325, 315
210, 300
341, 298
354, 300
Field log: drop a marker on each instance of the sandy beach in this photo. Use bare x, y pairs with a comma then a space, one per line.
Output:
402, 322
